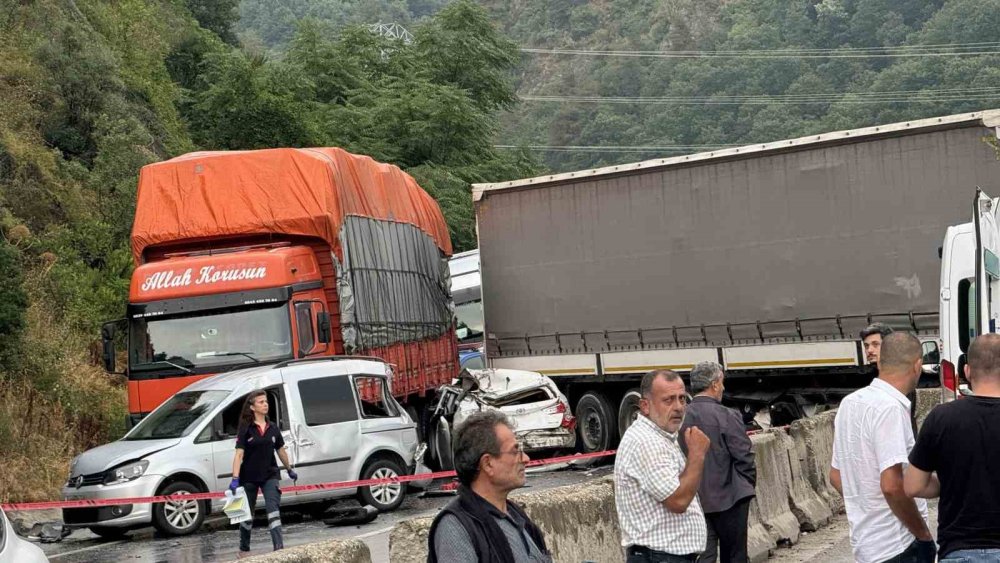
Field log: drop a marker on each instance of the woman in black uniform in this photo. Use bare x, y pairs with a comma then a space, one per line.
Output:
256, 442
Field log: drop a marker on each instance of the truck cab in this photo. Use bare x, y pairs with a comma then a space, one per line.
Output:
970, 290
195, 314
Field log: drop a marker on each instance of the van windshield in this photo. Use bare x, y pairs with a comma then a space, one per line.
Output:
178, 416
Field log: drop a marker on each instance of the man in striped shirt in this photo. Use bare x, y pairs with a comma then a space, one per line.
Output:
655, 486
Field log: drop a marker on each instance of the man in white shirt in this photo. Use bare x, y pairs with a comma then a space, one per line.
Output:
872, 442
655, 486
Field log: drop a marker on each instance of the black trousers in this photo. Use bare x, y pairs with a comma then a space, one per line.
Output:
642, 554
727, 534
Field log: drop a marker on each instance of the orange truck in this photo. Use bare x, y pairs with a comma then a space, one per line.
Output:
256, 257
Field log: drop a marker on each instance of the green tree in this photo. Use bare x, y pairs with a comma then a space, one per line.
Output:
249, 102
217, 16
13, 302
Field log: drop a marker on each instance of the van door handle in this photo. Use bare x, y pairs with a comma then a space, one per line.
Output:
304, 443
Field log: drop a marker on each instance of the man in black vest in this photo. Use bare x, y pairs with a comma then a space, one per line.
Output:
481, 524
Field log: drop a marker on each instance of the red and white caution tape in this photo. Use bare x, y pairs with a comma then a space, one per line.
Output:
294, 488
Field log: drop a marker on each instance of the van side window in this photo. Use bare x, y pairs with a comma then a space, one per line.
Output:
327, 400
304, 325
227, 422
966, 313
374, 398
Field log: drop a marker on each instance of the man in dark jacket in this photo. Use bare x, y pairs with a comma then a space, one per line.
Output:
730, 472
481, 524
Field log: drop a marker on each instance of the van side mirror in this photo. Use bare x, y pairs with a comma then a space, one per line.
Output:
108, 346
931, 354
323, 327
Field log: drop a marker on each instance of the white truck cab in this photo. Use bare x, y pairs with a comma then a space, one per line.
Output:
970, 289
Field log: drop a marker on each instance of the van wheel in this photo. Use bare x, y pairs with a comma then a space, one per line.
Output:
628, 410
179, 518
385, 498
109, 532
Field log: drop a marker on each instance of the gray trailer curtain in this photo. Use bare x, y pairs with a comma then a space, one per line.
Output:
393, 284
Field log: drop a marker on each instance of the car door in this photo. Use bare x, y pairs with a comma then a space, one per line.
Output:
222, 433
987, 228
324, 428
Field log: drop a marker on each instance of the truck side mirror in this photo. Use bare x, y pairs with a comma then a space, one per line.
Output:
108, 346
323, 327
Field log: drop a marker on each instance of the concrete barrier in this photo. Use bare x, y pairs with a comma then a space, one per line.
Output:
337, 551
759, 541
579, 522
809, 508
927, 399
813, 439
773, 488
408, 541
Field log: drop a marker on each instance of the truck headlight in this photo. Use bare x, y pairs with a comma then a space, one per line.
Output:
126, 472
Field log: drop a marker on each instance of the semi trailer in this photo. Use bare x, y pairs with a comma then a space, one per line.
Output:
768, 259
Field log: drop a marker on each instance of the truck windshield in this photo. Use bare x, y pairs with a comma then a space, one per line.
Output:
470, 320
178, 416
204, 339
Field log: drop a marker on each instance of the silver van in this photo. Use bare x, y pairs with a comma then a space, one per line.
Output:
337, 415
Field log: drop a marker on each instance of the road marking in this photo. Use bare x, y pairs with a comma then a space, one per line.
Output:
374, 533
81, 550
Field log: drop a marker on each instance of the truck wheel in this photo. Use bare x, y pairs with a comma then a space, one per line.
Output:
597, 423
628, 410
179, 518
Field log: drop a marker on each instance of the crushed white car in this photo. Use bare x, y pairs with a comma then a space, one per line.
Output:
539, 413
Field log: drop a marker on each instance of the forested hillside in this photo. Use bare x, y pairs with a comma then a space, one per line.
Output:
757, 70
691, 75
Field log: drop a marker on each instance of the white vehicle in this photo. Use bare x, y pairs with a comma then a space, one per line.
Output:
13, 549
336, 414
970, 252
467, 296
538, 411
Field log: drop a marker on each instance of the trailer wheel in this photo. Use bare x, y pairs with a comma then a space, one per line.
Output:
628, 410
596, 422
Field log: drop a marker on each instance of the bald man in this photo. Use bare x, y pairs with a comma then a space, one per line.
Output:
957, 457
872, 439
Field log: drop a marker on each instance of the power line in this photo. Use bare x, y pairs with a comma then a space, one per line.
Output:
896, 96
615, 148
936, 50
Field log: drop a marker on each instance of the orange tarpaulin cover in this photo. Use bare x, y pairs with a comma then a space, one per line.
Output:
305, 192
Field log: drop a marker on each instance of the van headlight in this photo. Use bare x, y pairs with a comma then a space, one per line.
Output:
126, 472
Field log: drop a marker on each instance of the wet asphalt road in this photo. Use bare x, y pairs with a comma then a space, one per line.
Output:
221, 545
